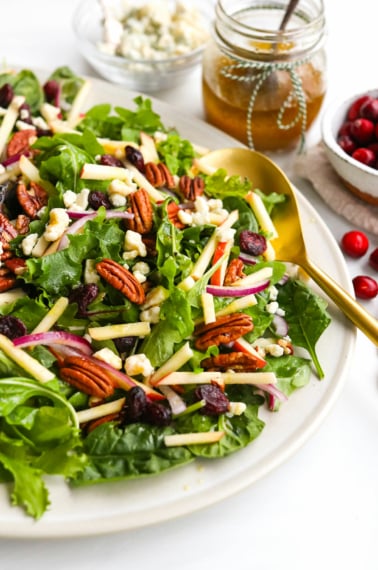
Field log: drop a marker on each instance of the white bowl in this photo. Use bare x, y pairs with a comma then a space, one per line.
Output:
360, 179
136, 74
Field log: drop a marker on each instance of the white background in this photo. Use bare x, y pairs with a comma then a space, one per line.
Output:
319, 509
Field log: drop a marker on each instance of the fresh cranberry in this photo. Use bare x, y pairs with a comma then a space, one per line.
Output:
354, 109
369, 110
362, 130
347, 144
354, 243
364, 155
345, 129
374, 147
365, 287
373, 259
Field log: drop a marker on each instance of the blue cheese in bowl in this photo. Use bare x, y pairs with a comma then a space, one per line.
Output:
154, 31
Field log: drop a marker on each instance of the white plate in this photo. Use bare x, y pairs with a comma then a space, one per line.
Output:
125, 505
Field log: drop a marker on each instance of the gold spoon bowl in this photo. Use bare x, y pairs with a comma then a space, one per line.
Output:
290, 245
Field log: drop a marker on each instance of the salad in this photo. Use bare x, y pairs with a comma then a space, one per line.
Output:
144, 319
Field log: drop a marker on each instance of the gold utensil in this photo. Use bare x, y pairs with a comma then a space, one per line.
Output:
290, 245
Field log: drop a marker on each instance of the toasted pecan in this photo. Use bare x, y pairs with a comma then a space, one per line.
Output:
86, 376
158, 175
31, 199
237, 361
140, 206
234, 271
121, 279
191, 188
222, 331
20, 142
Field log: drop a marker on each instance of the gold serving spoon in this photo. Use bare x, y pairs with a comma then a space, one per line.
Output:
290, 245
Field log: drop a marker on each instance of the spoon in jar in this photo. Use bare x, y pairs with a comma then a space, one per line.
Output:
289, 246
287, 14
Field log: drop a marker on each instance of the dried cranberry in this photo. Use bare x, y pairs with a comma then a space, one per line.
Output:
157, 414
25, 114
51, 90
96, 199
110, 160
134, 156
252, 243
216, 401
83, 295
125, 344
6, 95
12, 327
136, 405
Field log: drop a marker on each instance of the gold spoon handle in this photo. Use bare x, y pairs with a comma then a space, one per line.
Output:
351, 309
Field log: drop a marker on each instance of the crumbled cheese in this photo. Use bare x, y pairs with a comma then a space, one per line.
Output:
122, 187
156, 30
76, 202
133, 243
117, 200
58, 222
237, 408
272, 307
138, 364
28, 243
108, 356
185, 217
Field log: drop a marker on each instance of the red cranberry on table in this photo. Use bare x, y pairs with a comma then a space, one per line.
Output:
354, 243
365, 287
373, 259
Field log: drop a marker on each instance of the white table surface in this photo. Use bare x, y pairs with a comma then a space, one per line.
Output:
320, 508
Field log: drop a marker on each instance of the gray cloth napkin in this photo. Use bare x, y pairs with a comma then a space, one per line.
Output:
313, 165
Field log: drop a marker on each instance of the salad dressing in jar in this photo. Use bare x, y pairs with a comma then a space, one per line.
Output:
263, 86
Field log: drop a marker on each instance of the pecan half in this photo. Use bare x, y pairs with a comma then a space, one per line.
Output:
16, 265
121, 279
86, 376
140, 206
159, 175
7, 231
20, 142
31, 199
7, 281
234, 271
222, 331
99, 421
22, 224
237, 361
191, 187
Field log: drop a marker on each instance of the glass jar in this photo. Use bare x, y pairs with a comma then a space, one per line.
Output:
263, 86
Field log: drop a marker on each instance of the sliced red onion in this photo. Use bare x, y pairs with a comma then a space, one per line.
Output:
10, 160
175, 401
74, 215
284, 279
247, 258
224, 291
273, 394
281, 328
54, 337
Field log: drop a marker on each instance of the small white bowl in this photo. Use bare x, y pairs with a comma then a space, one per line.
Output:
360, 179
135, 74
